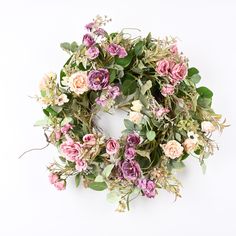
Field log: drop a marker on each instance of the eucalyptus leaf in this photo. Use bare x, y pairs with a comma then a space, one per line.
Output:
77, 180
192, 71
43, 122
146, 87
98, 186
151, 135
124, 62
177, 164
66, 120
143, 153
107, 170
114, 196
128, 124
99, 178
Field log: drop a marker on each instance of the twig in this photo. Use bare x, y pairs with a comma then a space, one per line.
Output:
33, 149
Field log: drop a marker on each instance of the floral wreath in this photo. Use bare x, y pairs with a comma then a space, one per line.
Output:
169, 118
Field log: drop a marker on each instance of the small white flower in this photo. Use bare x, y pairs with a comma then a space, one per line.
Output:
137, 106
193, 136
207, 127
61, 100
135, 117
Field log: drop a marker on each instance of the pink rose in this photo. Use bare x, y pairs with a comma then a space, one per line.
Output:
81, 165
112, 146
60, 185
66, 128
167, 89
72, 150
57, 134
178, 73
163, 67
189, 145
53, 178
89, 140
174, 49
160, 112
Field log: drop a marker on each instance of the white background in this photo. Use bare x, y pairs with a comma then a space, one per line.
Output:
30, 33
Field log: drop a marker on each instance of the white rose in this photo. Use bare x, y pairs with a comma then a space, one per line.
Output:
207, 127
137, 106
135, 117
78, 82
172, 149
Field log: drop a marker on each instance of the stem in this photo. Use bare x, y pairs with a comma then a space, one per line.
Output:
33, 149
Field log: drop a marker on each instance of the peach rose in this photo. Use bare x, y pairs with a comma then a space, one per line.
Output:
172, 149
78, 82
207, 127
135, 117
189, 145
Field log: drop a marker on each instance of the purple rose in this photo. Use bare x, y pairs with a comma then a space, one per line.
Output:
133, 139
113, 92
148, 187
129, 169
116, 50
92, 52
98, 79
130, 153
88, 40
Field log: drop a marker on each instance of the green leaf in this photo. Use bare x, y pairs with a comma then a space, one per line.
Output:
151, 135
107, 170
74, 47
204, 102
124, 62
178, 137
195, 78
205, 92
114, 196
112, 73
99, 178
203, 165
57, 109
65, 46
143, 153
146, 87
77, 180
128, 124
43, 122
66, 120
192, 71
138, 48
129, 84
49, 111
177, 164
98, 186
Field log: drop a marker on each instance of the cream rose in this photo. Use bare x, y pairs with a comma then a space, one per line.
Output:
189, 145
207, 127
135, 117
78, 82
172, 149
137, 106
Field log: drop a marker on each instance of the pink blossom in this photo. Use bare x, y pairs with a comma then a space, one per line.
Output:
174, 49
92, 52
113, 92
112, 146
72, 150
66, 128
167, 89
57, 134
89, 140
116, 50
89, 26
101, 101
178, 73
60, 185
148, 187
53, 178
130, 153
160, 112
81, 165
88, 40
163, 67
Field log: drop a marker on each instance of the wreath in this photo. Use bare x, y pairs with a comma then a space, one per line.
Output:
169, 118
